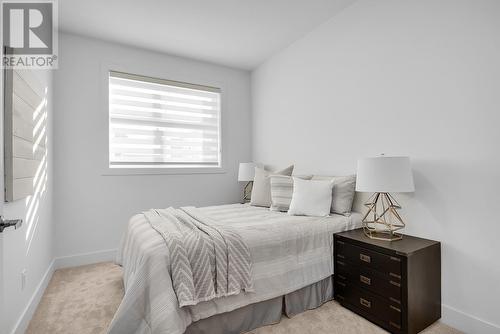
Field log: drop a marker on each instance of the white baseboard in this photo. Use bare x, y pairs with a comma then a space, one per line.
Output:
85, 258
57, 263
467, 323
25, 318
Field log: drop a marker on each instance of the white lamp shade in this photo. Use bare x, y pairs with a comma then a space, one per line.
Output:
247, 171
385, 175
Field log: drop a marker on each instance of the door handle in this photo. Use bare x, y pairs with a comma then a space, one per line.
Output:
4, 223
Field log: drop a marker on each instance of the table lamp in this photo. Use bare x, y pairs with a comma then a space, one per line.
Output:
381, 176
246, 174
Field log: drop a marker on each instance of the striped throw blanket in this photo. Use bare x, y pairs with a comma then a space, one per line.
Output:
206, 261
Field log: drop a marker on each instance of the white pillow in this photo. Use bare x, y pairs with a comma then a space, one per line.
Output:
311, 197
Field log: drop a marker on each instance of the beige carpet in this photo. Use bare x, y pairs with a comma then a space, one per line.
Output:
83, 300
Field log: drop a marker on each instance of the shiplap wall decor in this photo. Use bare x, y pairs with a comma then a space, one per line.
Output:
25, 138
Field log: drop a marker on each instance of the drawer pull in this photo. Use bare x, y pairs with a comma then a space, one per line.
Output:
340, 297
365, 302
365, 280
340, 242
394, 300
365, 258
341, 263
341, 284
341, 256
340, 276
395, 275
395, 308
397, 259
395, 283
394, 325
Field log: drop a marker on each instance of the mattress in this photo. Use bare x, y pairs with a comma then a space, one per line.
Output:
288, 253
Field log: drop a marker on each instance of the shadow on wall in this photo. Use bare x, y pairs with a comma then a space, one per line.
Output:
431, 198
41, 176
452, 189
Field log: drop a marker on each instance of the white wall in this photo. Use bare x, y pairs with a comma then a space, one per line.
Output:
92, 210
30, 248
417, 78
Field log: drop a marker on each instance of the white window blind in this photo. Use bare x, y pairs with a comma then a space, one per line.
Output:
161, 123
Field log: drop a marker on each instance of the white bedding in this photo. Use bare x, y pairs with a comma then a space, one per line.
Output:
288, 253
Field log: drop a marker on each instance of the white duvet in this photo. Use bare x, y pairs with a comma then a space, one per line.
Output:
288, 253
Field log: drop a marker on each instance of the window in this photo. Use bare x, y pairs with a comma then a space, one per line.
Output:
156, 123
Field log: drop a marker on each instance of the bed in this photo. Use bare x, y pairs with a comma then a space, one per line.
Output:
292, 267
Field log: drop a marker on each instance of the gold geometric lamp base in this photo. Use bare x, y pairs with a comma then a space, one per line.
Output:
247, 192
382, 220
246, 174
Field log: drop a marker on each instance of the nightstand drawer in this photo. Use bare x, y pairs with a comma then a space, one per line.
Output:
367, 278
389, 265
381, 311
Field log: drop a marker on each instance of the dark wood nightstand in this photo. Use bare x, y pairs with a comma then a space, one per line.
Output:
396, 285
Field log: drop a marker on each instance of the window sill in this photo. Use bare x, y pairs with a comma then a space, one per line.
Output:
162, 171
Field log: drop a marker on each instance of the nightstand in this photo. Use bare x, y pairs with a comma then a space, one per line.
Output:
396, 285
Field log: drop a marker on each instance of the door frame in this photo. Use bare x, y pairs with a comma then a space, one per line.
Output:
3, 328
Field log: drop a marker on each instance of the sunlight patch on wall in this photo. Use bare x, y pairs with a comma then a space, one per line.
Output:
41, 174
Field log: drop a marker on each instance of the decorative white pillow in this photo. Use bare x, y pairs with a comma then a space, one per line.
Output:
261, 190
311, 197
282, 191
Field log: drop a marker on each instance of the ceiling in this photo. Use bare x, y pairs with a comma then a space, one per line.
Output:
236, 33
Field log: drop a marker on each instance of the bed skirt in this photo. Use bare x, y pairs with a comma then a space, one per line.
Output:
267, 312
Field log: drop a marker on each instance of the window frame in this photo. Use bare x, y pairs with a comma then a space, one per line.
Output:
133, 70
